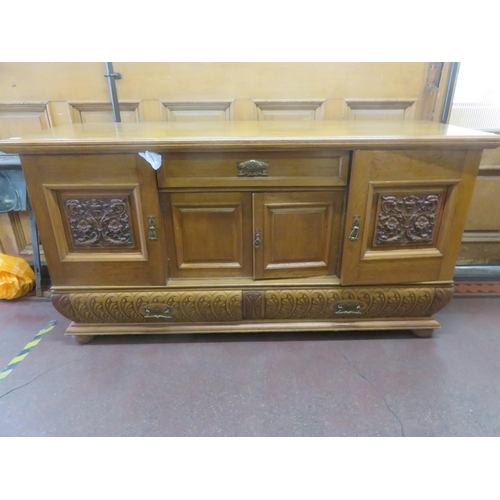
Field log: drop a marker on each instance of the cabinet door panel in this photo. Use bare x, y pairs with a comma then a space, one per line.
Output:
298, 233
210, 234
96, 233
409, 228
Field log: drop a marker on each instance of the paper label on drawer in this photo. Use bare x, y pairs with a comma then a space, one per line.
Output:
154, 159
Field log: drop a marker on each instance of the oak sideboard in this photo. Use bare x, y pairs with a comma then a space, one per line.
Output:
251, 226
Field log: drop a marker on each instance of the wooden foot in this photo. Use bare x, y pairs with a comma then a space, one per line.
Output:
84, 339
423, 333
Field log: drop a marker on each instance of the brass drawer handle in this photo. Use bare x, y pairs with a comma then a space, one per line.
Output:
252, 168
155, 311
354, 228
152, 236
256, 243
349, 307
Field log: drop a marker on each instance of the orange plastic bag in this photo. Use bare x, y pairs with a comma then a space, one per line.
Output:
16, 277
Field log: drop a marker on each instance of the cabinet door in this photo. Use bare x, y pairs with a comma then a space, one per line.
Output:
406, 215
209, 234
296, 234
94, 213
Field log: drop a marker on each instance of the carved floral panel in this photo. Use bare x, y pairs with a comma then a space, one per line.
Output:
99, 222
406, 219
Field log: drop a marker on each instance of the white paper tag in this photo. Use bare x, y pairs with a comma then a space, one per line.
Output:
154, 159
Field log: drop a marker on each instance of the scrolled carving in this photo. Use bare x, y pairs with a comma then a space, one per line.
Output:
99, 222
355, 302
234, 305
441, 297
407, 219
140, 307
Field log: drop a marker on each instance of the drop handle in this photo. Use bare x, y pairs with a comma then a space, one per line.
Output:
252, 168
256, 242
354, 228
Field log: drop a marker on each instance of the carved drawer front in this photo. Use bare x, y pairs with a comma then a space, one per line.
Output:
344, 303
145, 307
254, 168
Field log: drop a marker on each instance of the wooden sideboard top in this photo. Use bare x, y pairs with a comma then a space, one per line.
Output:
163, 136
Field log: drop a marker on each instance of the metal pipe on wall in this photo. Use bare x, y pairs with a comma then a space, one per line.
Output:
112, 76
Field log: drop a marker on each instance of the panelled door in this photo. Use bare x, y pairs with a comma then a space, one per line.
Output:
399, 228
297, 234
98, 233
260, 235
209, 234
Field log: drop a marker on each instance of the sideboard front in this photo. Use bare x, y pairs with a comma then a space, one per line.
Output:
261, 227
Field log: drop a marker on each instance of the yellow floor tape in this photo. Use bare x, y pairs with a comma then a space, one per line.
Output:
27, 348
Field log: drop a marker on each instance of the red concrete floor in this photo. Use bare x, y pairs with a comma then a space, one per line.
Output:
319, 384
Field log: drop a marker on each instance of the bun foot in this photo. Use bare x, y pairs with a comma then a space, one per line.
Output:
83, 339
424, 333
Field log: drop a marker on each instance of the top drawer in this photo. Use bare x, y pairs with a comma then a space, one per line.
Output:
269, 169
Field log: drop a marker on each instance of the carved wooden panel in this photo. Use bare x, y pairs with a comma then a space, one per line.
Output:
253, 304
90, 223
379, 109
132, 307
405, 219
291, 109
210, 234
187, 111
99, 222
297, 304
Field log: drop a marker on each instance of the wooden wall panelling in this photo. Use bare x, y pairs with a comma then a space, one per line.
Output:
150, 111
16, 119
60, 113
15, 236
289, 109
195, 81
102, 111
481, 240
379, 109
22, 118
202, 110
